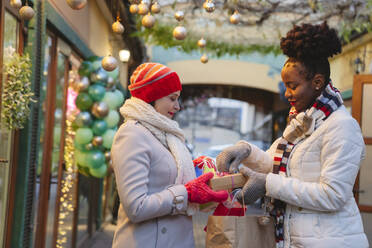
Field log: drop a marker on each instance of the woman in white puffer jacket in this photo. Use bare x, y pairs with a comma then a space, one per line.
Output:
311, 170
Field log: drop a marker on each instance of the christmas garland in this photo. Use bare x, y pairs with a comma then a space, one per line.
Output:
162, 35
17, 93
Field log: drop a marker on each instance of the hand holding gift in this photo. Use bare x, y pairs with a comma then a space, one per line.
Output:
254, 188
245, 153
199, 192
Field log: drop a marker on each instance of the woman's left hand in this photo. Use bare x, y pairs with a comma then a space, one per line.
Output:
254, 188
199, 192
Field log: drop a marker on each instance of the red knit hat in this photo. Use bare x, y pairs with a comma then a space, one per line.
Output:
152, 81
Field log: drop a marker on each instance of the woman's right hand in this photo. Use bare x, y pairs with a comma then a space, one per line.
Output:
199, 192
230, 158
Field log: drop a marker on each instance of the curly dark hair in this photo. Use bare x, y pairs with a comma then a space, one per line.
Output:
312, 45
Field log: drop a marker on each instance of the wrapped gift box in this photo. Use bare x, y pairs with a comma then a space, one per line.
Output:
227, 182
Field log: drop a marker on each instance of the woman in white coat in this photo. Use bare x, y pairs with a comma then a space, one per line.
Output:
154, 171
310, 171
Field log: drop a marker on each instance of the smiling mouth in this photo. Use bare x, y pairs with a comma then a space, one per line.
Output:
292, 103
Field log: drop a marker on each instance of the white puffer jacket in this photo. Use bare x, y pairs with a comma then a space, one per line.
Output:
321, 209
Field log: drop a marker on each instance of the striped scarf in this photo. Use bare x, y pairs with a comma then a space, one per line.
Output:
301, 126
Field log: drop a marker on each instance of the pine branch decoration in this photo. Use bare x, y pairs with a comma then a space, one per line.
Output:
17, 93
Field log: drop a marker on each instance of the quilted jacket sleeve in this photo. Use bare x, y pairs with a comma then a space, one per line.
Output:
131, 154
341, 152
260, 160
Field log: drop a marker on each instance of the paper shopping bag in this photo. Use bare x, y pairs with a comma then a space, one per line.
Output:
239, 232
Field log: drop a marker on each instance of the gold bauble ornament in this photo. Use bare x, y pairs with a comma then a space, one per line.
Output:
77, 4
204, 59
133, 8
155, 8
179, 33
117, 27
97, 141
83, 84
208, 6
26, 13
16, 3
148, 21
179, 15
100, 109
107, 156
143, 9
109, 63
89, 146
235, 18
202, 43
110, 83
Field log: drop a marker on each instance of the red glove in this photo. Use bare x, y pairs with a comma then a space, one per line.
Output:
199, 192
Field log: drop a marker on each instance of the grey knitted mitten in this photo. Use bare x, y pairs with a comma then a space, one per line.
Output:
230, 158
254, 188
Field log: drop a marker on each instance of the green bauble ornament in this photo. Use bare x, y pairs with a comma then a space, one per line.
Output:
83, 119
79, 146
96, 92
95, 159
119, 98
114, 74
85, 68
100, 172
99, 127
108, 138
110, 100
112, 119
83, 101
81, 157
96, 64
83, 136
94, 58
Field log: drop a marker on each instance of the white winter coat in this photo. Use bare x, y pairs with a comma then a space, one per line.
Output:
321, 210
145, 173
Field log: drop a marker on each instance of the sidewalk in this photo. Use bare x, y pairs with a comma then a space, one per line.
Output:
103, 238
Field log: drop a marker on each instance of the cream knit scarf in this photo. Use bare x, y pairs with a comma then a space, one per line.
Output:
168, 133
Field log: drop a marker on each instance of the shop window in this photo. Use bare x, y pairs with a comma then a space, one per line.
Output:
10, 44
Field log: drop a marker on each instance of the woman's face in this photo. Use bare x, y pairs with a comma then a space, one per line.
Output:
300, 92
168, 105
